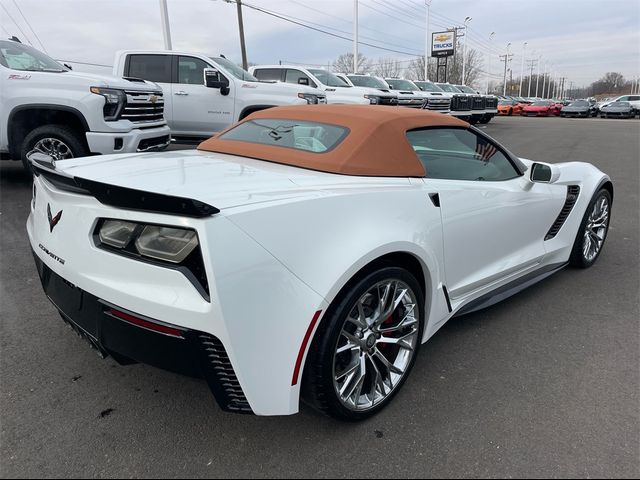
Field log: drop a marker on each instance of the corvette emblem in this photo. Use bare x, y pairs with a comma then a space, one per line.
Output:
53, 221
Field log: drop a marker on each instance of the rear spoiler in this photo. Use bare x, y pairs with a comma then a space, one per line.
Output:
120, 197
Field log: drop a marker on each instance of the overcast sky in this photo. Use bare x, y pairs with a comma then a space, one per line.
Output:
580, 39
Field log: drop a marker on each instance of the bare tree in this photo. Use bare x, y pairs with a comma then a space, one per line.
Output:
415, 70
387, 67
344, 64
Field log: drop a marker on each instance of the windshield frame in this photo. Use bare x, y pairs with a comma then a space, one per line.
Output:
49, 65
234, 70
414, 89
319, 74
378, 83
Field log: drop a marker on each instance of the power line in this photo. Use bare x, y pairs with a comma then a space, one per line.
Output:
345, 21
421, 27
29, 25
273, 14
16, 23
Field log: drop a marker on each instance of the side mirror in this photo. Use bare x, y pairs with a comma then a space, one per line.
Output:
543, 173
303, 81
213, 79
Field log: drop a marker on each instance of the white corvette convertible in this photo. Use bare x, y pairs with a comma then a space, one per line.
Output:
305, 252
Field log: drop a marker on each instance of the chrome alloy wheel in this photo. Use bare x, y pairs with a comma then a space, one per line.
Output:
376, 345
596, 229
53, 147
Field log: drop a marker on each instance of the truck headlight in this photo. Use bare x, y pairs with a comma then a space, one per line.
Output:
114, 101
309, 97
373, 99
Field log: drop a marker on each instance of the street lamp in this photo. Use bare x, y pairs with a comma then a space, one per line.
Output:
491, 35
464, 48
524, 54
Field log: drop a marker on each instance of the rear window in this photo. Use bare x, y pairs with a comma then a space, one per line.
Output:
307, 136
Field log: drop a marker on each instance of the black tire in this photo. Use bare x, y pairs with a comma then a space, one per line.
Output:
318, 383
510, 112
73, 139
577, 258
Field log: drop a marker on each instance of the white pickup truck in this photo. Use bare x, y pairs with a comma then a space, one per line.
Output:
203, 94
336, 89
48, 108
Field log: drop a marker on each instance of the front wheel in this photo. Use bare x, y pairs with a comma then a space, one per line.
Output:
57, 141
366, 345
593, 231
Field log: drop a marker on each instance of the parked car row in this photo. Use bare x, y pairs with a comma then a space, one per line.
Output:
153, 97
627, 106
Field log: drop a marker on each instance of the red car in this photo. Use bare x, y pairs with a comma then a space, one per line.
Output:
542, 108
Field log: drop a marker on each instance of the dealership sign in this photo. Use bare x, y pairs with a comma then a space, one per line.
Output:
443, 44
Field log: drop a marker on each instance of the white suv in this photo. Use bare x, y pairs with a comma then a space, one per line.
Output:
377, 87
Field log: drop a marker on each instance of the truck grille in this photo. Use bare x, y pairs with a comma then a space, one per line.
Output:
142, 107
478, 103
460, 103
388, 101
491, 102
438, 104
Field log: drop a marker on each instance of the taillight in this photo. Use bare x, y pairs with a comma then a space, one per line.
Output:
141, 322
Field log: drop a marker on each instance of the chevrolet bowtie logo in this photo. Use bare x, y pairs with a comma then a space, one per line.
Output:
443, 38
153, 99
53, 221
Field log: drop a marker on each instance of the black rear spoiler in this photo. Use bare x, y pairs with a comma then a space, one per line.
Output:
123, 197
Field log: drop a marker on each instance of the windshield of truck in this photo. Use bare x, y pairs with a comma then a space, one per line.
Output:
448, 88
367, 81
428, 87
328, 79
21, 57
398, 84
465, 89
235, 70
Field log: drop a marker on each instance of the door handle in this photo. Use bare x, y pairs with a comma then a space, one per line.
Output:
181, 93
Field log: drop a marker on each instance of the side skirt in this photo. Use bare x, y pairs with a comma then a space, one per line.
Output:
510, 289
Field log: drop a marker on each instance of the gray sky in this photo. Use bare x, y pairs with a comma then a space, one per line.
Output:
580, 39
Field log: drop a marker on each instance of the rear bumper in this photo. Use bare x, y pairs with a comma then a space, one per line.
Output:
187, 352
138, 140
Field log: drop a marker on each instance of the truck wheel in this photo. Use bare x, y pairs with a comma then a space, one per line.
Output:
55, 140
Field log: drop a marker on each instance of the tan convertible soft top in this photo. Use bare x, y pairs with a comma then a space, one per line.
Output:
375, 146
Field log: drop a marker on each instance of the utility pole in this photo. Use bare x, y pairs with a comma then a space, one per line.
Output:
166, 30
524, 54
506, 58
538, 74
355, 36
464, 49
457, 30
243, 47
532, 64
427, 43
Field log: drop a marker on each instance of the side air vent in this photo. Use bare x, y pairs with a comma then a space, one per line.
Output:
572, 196
221, 377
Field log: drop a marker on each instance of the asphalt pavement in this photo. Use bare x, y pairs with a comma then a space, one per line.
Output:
545, 384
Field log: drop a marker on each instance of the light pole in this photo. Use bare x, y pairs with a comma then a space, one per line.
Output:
544, 79
538, 74
506, 61
166, 29
464, 48
355, 36
491, 35
427, 42
524, 54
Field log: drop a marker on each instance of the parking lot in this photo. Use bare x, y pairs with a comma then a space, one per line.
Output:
545, 384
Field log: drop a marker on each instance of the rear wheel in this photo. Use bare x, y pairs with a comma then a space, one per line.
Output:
57, 141
593, 231
366, 346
